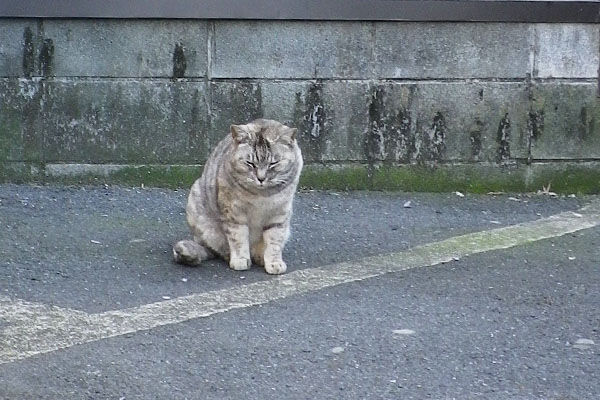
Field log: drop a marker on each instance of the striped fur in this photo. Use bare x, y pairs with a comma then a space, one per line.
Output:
240, 208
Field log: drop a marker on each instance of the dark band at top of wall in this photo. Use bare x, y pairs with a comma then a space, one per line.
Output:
340, 10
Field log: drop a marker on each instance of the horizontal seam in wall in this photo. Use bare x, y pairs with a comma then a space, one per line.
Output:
116, 165
515, 161
518, 161
335, 80
558, 160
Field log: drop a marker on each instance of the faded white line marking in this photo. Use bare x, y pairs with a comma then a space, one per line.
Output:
404, 332
35, 329
31, 327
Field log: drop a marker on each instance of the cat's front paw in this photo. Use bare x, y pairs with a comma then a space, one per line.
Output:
275, 267
239, 264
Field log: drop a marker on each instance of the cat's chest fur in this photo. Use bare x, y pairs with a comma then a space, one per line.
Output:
261, 211
264, 211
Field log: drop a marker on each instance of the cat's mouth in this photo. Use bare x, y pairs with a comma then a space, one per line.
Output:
263, 184
259, 184
268, 184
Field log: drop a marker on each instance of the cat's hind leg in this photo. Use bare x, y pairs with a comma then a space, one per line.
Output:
257, 251
190, 253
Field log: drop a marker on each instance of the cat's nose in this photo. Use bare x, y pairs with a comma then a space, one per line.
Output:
261, 175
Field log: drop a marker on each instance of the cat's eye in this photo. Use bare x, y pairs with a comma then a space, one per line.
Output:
250, 164
274, 163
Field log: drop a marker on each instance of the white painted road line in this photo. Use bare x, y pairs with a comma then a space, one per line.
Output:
34, 329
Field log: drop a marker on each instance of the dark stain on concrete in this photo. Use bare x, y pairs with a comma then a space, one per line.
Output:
34, 129
374, 139
503, 139
476, 136
197, 143
432, 139
179, 61
193, 128
46, 58
310, 116
399, 142
28, 53
535, 129
535, 124
389, 137
587, 123
437, 138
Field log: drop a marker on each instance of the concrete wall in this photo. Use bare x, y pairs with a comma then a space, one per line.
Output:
86, 96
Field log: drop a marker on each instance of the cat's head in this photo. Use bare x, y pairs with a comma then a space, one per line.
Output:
265, 154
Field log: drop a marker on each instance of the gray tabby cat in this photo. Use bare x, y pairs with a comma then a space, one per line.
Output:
240, 208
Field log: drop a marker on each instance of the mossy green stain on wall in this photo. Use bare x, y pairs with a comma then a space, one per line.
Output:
180, 176
10, 139
465, 178
569, 116
344, 178
470, 178
167, 176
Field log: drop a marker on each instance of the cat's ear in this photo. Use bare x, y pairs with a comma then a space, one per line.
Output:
240, 133
292, 133
289, 134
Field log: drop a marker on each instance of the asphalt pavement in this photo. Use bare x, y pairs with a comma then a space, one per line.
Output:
515, 320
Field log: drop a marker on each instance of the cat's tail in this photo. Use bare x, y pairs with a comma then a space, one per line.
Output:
190, 253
